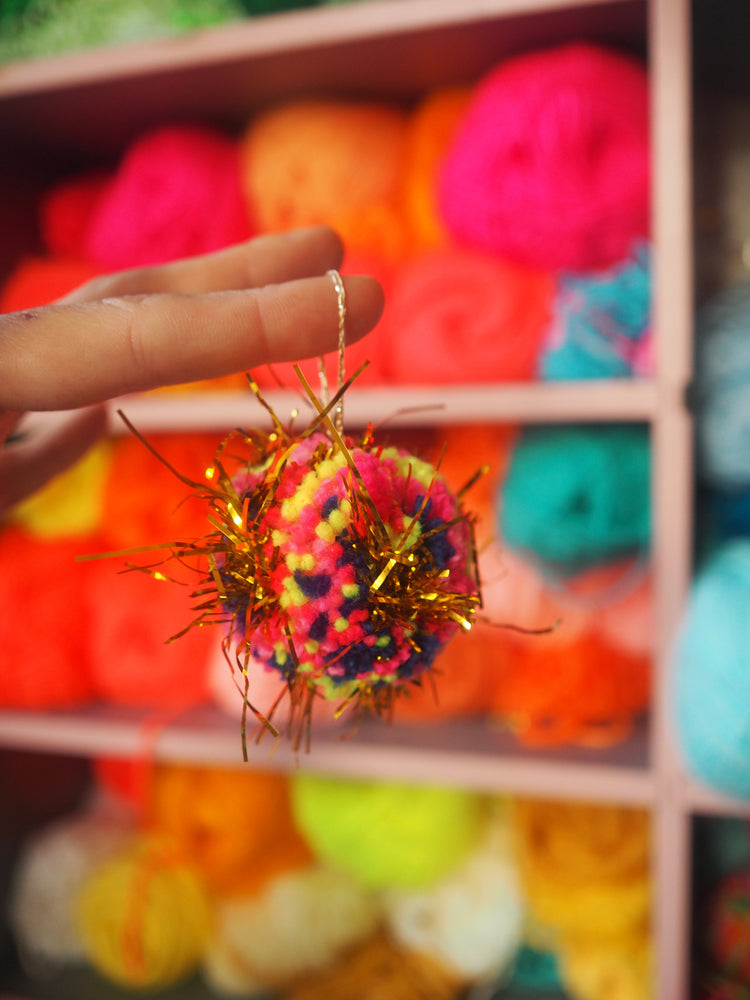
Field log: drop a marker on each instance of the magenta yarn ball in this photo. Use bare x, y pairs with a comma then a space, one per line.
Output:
176, 193
550, 163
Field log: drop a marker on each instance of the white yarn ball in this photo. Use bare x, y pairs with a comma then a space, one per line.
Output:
300, 922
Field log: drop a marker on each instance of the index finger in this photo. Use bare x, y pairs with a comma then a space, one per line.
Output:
74, 354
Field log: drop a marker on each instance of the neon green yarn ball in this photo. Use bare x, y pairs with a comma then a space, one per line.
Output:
387, 835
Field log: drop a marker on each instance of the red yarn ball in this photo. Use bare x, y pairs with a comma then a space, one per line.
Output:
176, 193
43, 626
460, 315
66, 210
550, 164
37, 281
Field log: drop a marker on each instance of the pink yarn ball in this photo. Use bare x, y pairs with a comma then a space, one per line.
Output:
461, 315
176, 193
550, 164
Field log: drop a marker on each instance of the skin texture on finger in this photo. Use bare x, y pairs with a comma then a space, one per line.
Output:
70, 355
27, 464
264, 260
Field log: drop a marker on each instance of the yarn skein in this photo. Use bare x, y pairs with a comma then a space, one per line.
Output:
577, 496
460, 315
175, 193
386, 834
709, 676
550, 164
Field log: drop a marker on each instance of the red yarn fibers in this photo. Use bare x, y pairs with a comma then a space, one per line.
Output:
550, 164
66, 210
37, 281
460, 315
44, 660
176, 193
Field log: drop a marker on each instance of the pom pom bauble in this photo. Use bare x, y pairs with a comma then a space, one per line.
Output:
728, 921
144, 917
710, 681
458, 315
313, 162
52, 868
550, 164
175, 194
577, 496
387, 835
300, 923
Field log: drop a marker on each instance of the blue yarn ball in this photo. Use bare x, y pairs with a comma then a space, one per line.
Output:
711, 672
599, 321
722, 389
577, 496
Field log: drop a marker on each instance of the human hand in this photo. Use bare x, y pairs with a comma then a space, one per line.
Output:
268, 300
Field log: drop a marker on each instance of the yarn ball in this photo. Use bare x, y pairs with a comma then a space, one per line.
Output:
70, 504
40, 581
621, 968
225, 822
577, 496
378, 970
582, 691
53, 865
144, 917
720, 397
585, 869
300, 923
38, 281
384, 834
51, 27
130, 619
600, 322
709, 676
430, 128
330, 592
471, 922
550, 164
728, 926
460, 315
66, 209
176, 193
311, 162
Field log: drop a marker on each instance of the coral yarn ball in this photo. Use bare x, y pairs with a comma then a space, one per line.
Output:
550, 164
358, 623
729, 926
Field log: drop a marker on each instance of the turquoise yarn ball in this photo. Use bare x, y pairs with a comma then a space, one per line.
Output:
711, 672
577, 496
387, 835
722, 389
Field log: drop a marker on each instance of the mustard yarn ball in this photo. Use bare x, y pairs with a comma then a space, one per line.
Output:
144, 918
387, 835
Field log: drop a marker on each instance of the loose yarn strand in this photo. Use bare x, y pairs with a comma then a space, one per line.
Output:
338, 417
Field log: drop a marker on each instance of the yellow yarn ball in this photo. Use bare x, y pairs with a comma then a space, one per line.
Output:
300, 922
387, 835
144, 917
71, 503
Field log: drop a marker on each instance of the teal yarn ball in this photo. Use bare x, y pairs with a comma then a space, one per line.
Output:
711, 672
576, 496
386, 835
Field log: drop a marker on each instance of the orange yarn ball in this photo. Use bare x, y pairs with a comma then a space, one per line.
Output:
581, 692
235, 826
431, 127
311, 162
37, 281
45, 659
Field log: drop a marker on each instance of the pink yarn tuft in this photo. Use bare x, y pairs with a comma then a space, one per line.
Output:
459, 315
176, 193
550, 164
